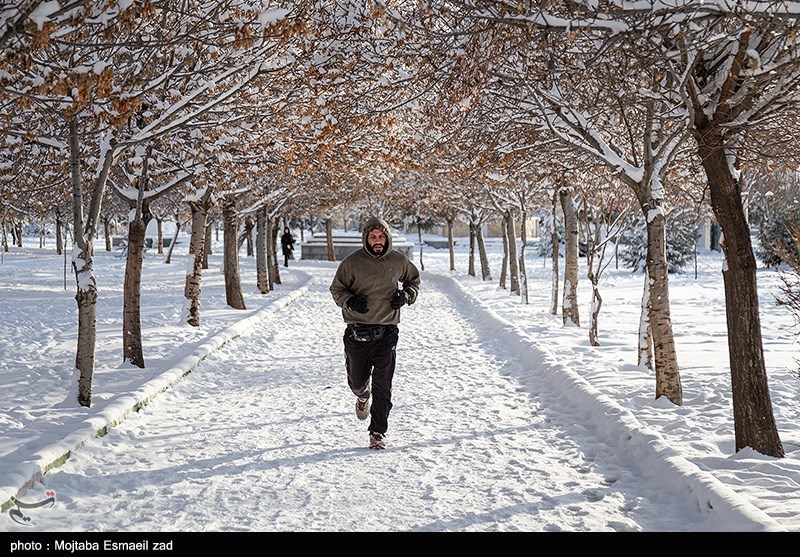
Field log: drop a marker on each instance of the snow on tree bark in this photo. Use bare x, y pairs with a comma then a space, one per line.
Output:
645, 346
471, 261
523, 273
274, 266
513, 269
132, 352
570, 313
754, 422
668, 381
504, 262
554, 256
197, 243
174, 241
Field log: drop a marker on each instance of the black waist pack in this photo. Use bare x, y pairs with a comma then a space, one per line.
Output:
365, 333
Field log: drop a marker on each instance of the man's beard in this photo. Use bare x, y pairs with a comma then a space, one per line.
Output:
373, 251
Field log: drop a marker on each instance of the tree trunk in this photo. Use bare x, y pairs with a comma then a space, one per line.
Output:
471, 267
248, 226
107, 232
556, 246
523, 274
668, 380
59, 234
86, 297
504, 262
484, 258
275, 268
197, 245
570, 313
645, 348
230, 223
272, 262
207, 243
594, 317
754, 423
247, 235
419, 236
329, 239
513, 268
174, 239
262, 274
82, 265
160, 236
451, 244
132, 290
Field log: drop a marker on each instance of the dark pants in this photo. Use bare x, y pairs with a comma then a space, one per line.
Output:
375, 359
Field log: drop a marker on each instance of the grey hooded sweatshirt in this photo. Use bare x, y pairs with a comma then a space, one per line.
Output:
377, 277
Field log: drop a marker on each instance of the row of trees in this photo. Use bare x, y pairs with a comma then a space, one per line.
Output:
439, 109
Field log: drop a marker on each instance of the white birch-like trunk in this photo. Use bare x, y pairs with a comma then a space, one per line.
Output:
194, 269
523, 274
594, 314
668, 381
570, 313
645, 345
504, 262
554, 256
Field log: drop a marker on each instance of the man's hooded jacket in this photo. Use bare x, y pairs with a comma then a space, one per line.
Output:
376, 276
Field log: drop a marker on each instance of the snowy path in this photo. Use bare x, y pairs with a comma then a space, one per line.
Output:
262, 436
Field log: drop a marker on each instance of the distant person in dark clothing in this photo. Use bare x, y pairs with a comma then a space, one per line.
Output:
287, 244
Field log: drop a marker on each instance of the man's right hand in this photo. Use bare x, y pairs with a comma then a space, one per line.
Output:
358, 303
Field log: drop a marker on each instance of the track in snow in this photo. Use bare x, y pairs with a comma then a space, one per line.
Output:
262, 436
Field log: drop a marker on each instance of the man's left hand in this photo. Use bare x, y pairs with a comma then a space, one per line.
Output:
399, 299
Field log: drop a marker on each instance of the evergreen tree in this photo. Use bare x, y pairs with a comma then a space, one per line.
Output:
544, 247
681, 239
774, 238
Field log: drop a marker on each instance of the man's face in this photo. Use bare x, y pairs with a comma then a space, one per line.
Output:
376, 240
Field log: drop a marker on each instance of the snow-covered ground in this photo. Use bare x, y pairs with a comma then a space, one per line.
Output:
504, 420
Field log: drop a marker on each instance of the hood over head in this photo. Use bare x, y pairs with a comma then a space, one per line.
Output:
371, 224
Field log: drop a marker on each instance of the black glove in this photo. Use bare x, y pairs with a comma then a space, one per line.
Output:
358, 303
399, 299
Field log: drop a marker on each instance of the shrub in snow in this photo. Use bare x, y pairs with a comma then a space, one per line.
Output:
775, 242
